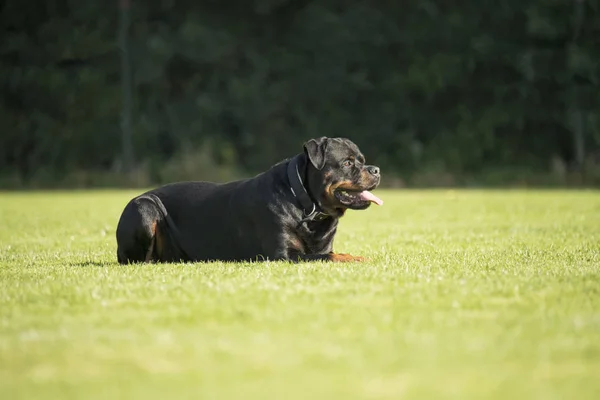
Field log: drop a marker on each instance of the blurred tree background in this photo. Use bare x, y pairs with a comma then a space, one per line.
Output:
453, 92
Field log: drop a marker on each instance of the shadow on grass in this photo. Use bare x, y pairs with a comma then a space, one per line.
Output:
222, 264
89, 263
100, 264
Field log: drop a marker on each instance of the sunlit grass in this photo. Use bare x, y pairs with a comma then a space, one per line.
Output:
466, 294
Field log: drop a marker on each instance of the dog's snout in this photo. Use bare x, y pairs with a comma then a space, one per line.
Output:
373, 170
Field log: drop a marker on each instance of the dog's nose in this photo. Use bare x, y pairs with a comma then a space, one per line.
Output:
373, 170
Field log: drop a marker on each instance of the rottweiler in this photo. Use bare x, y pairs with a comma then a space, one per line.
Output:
289, 212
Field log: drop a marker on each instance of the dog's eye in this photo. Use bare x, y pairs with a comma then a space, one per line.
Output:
347, 163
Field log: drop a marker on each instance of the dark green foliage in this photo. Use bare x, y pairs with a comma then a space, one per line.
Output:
434, 92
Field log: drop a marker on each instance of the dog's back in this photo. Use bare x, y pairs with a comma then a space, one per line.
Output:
201, 220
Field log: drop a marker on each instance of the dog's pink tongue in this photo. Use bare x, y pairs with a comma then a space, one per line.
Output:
366, 195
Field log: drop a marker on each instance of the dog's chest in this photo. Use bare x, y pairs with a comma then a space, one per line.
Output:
317, 236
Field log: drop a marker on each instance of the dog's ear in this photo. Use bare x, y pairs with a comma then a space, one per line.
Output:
315, 151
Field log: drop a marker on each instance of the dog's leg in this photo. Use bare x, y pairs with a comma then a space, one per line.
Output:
150, 250
342, 257
137, 233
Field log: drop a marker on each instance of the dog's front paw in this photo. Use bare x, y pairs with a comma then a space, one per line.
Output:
342, 257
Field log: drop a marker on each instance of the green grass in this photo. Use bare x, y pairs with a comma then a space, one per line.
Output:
467, 294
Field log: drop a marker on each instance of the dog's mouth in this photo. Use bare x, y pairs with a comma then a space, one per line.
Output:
356, 198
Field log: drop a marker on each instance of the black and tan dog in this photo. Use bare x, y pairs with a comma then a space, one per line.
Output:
289, 212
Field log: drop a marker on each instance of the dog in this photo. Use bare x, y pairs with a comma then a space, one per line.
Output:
289, 212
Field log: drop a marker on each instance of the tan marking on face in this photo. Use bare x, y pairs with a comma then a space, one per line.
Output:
332, 187
365, 176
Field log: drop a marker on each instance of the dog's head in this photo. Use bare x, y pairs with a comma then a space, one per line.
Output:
338, 177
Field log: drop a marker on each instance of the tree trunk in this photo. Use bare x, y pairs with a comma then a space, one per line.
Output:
126, 80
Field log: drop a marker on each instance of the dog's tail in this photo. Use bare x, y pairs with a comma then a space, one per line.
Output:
169, 246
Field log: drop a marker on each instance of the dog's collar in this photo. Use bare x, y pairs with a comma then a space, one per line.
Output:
312, 211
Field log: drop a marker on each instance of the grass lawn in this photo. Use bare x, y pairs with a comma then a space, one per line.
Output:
467, 295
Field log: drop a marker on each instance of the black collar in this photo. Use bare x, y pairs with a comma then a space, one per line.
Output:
311, 210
